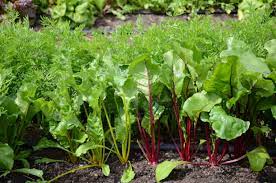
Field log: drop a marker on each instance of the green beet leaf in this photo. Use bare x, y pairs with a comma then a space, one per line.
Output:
225, 126
200, 102
158, 110
164, 169
270, 46
128, 175
95, 128
225, 82
59, 11
35, 172
82, 149
144, 73
257, 158
273, 111
100, 4
7, 157
173, 72
45, 143
105, 169
24, 95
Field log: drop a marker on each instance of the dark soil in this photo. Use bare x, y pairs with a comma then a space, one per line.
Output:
234, 173
110, 22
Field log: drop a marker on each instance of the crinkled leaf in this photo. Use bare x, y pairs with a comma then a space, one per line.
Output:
68, 122
225, 126
257, 158
164, 169
58, 11
83, 148
7, 157
24, 95
247, 7
200, 102
95, 128
263, 130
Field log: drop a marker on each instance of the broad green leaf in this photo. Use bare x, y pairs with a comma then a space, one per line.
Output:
247, 7
225, 126
9, 114
240, 73
35, 172
7, 157
266, 103
100, 4
164, 169
121, 126
24, 95
47, 107
264, 88
200, 102
144, 73
79, 137
95, 129
128, 175
270, 46
220, 80
68, 122
128, 91
83, 148
105, 169
234, 48
225, 82
257, 158
273, 111
9, 106
113, 73
58, 11
173, 72
81, 13
263, 130
157, 111
45, 143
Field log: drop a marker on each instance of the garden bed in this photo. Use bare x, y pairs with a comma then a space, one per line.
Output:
206, 87
238, 172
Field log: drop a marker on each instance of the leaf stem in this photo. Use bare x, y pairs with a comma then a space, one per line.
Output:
72, 171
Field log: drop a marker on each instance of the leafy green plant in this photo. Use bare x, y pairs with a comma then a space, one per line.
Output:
15, 116
76, 137
79, 12
145, 74
128, 174
164, 169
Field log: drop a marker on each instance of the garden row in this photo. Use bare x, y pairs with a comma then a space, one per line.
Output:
94, 96
86, 11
